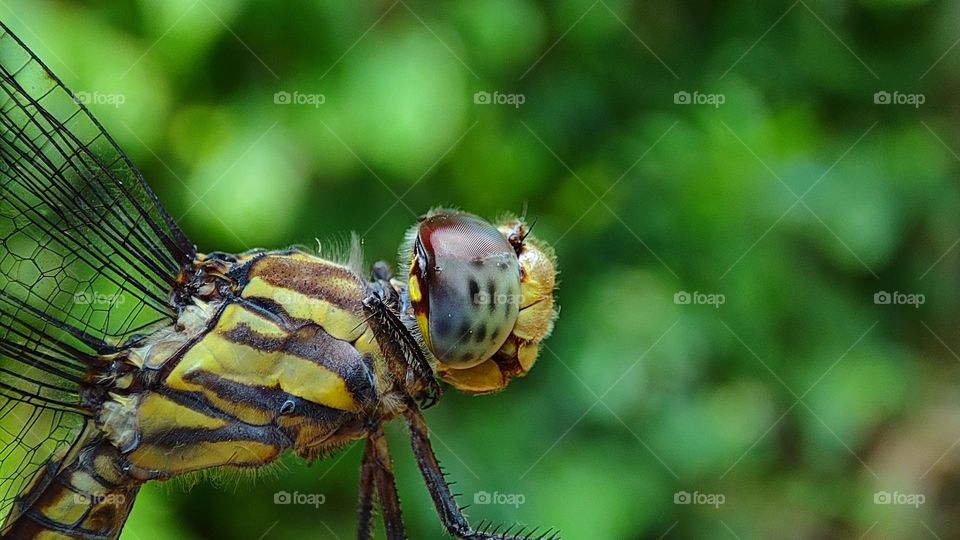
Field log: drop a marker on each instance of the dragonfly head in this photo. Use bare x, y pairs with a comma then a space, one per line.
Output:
482, 295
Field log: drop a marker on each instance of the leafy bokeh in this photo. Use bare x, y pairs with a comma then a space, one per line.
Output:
800, 401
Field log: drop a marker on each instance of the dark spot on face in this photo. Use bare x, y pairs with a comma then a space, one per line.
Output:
464, 329
495, 334
441, 295
492, 290
466, 356
481, 334
502, 265
474, 291
444, 325
477, 263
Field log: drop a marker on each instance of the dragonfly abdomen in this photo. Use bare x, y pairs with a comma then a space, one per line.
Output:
82, 494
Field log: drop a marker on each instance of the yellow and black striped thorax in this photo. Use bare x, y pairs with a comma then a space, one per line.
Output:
296, 324
283, 358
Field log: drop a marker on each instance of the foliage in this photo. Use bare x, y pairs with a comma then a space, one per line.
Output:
798, 399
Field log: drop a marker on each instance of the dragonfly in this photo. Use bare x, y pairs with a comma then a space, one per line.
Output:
127, 356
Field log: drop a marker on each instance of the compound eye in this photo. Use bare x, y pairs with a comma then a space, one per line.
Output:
470, 276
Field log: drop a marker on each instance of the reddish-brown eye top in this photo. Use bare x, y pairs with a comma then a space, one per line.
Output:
461, 236
471, 277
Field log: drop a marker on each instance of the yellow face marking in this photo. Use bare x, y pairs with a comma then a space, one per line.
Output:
414, 289
337, 322
528, 355
482, 378
537, 312
159, 414
424, 325
416, 295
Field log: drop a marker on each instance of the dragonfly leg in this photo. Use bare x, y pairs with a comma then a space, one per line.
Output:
367, 493
377, 473
451, 514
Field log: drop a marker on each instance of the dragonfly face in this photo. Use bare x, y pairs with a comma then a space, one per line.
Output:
482, 296
133, 358
466, 281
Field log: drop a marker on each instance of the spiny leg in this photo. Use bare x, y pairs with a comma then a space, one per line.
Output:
387, 488
377, 474
450, 512
365, 506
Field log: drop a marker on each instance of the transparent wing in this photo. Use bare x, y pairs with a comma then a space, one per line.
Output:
88, 260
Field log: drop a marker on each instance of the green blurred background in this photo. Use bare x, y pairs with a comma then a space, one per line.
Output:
799, 403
